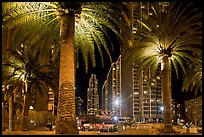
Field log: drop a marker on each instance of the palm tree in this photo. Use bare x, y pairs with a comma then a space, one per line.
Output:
14, 99
7, 97
77, 27
9, 94
25, 68
168, 38
193, 79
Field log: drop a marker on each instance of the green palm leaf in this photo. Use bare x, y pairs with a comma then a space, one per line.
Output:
172, 37
44, 18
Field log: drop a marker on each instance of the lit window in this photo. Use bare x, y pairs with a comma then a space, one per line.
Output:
134, 30
145, 80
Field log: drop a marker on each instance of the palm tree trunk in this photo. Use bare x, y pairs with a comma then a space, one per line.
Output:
66, 115
11, 112
3, 117
166, 92
25, 114
3, 112
26, 105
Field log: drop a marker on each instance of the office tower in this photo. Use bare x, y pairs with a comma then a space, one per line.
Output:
111, 90
115, 87
139, 100
92, 96
105, 97
178, 110
193, 111
79, 106
147, 97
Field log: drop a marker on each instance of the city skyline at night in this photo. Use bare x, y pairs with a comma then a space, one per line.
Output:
101, 73
102, 68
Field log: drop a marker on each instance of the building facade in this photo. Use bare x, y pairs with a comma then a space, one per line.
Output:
140, 99
111, 90
105, 97
147, 97
79, 106
193, 111
178, 112
92, 96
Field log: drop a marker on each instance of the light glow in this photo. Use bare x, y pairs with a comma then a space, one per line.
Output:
115, 118
117, 102
31, 107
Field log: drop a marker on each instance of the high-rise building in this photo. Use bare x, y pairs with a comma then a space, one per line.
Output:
105, 97
79, 106
140, 98
92, 96
147, 97
193, 111
178, 112
111, 90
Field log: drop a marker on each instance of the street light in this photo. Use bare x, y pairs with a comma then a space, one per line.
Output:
115, 118
31, 107
161, 108
117, 102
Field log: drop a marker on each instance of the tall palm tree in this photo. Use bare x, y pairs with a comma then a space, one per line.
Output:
15, 102
9, 94
26, 68
77, 27
7, 97
168, 38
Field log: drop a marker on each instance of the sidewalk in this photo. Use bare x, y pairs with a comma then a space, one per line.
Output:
124, 132
28, 133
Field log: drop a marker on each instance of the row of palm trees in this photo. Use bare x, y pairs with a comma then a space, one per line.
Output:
23, 75
79, 27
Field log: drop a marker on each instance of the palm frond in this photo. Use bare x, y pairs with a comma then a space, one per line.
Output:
42, 16
193, 80
174, 33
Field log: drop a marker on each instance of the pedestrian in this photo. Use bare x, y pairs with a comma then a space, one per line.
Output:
137, 127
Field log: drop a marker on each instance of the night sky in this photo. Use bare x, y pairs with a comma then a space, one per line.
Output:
82, 78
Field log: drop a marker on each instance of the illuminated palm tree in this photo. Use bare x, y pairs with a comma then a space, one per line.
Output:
14, 98
168, 38
77, 27
193, 79
24, 71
